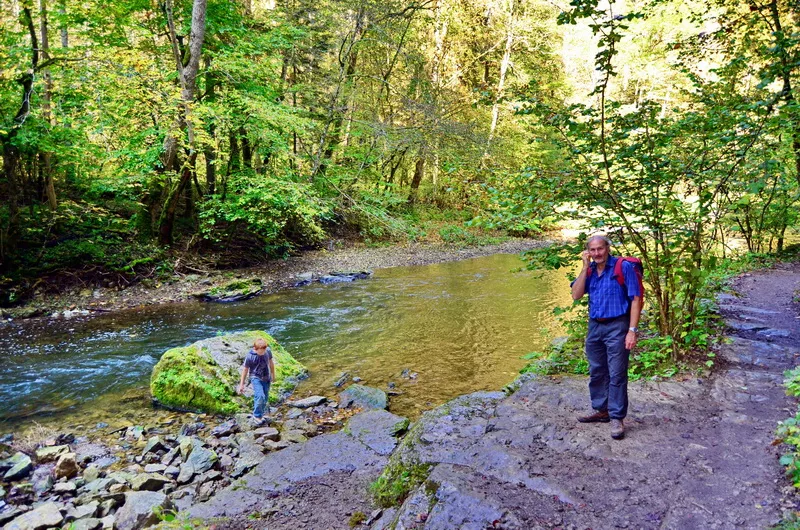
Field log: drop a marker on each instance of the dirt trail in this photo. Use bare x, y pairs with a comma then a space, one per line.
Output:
697, 453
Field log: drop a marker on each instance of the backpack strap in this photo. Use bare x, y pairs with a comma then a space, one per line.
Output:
636, 263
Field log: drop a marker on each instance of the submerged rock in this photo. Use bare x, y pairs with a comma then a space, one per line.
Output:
345, 276
363, 396
203, 376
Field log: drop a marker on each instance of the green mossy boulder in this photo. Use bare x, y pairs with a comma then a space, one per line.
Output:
203, 376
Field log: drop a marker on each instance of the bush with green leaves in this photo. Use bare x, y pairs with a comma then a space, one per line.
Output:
788, 431
277, 213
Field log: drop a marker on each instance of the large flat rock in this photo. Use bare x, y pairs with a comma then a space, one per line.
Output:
377, 429
324, 455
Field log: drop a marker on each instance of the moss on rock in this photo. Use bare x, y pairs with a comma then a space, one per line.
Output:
203, 376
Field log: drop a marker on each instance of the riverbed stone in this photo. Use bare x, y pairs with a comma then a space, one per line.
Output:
50, 454
185, 473
99, 485
11, 513
203, 376
294, 413
363, 396
250, 455
42, 480
154, 468
18, 466
267, 433
308, 402
225, 429
269, 445
82, 511
377, 429
202, 459
149, 482
91, 473
66, 466
45, 516
154, 444
294, 436
345, 276
65, 488
140, 509
773, 333
89, 523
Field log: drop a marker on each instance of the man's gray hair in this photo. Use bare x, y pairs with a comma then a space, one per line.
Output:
601, 237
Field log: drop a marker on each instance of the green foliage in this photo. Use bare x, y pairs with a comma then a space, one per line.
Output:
792, 381
788, 431
523, 204
278, 213
564, 355
465, 237
397, 481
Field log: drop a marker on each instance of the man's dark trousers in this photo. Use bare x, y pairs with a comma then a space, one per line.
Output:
608, 365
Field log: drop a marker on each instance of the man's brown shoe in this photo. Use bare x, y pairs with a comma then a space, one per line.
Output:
601, 416
617, 429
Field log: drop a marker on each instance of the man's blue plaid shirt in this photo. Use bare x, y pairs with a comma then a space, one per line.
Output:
607, 298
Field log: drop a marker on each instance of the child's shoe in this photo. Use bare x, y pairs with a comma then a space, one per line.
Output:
258, 422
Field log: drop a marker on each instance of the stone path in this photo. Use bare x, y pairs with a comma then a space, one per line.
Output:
697, 453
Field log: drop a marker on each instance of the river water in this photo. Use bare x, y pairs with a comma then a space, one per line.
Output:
460, 326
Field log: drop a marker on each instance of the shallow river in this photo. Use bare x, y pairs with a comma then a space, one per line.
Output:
461, 326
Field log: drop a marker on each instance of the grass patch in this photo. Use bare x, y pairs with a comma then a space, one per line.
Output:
356, 519
397, 481
33, 438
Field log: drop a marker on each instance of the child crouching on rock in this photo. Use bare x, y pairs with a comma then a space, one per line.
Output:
259, 365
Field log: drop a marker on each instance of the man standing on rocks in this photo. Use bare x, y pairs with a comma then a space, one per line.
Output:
614, 312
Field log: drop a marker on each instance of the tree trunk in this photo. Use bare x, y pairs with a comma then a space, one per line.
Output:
62, 10
247, 151
234, 160
46, 166
419, 172
210, 150
332, 134
11, 155
188, 78
501, 82
167, 221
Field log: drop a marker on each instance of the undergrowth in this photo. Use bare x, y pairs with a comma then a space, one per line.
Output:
396, 482
788, 431
653, 355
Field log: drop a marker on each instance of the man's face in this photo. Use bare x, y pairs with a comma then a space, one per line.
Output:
598, 251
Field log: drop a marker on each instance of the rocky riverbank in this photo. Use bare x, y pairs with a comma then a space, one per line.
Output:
134, 477
697, 454
51, 301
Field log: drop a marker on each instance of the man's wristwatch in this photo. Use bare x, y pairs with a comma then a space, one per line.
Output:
634, 329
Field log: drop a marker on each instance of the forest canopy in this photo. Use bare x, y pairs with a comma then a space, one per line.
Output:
132, 129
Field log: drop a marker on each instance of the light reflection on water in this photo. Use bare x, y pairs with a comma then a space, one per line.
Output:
462, 326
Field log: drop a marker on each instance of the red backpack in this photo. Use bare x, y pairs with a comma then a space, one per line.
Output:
637, 267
